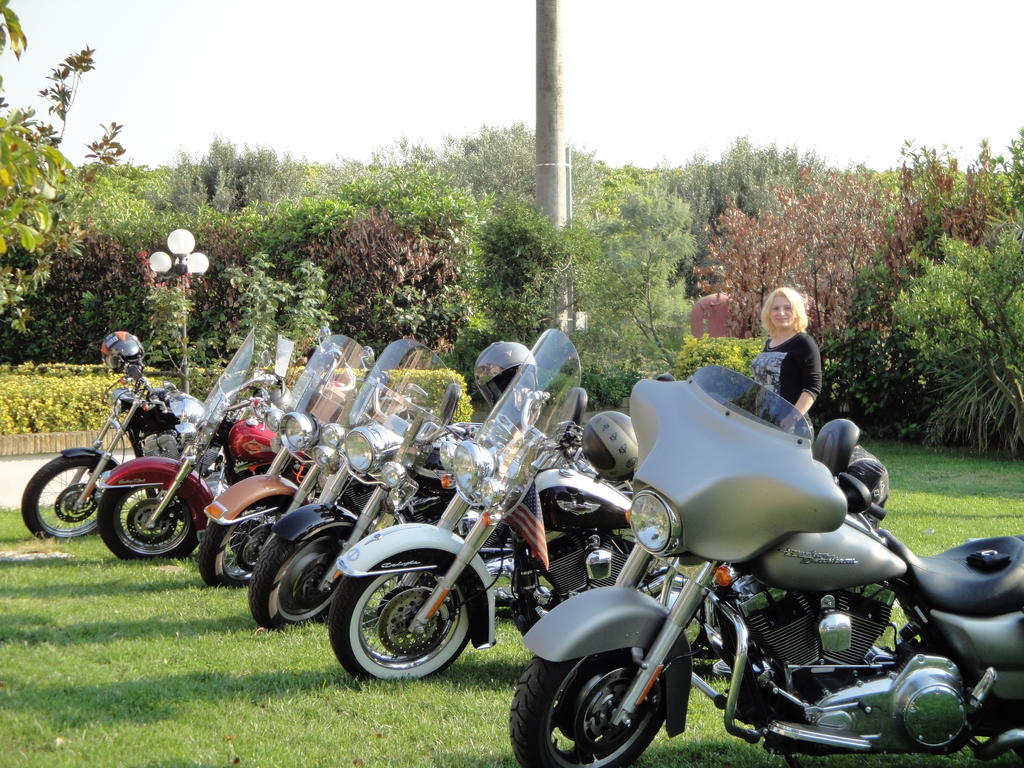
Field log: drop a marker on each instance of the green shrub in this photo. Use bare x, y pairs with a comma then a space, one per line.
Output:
608, 387
699, 351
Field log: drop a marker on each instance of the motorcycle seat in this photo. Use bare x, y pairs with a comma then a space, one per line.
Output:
984, 577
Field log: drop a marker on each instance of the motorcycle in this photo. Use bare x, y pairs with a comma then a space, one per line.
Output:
413, 596
386, 465
240, 519
797, 586
153, 506
60, 499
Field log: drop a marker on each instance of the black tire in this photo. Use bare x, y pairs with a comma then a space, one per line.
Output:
228, 553
46, 504
560, 710
363, 606
117, 520
285, 582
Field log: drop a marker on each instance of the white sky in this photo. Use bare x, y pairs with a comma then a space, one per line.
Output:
647, 81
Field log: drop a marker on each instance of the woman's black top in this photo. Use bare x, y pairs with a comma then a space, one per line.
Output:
790, 368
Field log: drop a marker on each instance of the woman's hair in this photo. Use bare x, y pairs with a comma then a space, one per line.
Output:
795, 300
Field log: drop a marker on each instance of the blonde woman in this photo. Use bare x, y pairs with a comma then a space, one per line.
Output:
790, 364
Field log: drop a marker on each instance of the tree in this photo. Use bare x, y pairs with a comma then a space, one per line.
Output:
495, 161
745, 178
229, 180
32, 172
636, 285
970, 308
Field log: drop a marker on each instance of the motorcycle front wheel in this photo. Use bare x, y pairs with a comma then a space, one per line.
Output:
120, 519
561, 713
286, 582
48, 505
228, 553
368, 625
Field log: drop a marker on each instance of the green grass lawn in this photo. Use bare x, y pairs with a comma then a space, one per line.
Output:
104, 663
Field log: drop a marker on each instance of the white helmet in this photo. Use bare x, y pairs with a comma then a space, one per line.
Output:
609, 443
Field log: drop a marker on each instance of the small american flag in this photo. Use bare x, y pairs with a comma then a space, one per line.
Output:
528, 521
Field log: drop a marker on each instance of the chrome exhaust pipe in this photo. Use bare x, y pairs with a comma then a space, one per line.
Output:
997, 745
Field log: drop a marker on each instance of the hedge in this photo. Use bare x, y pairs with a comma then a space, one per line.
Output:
61, 397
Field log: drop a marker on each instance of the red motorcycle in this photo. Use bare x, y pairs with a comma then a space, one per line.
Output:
153, 506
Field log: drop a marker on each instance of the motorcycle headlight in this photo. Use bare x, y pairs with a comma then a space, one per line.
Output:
656, 526
393, 474
446, 454
298, 432
327, 458
186, 408
367, 448
471, 465
273, 418
187, 431
332, 435
116, 394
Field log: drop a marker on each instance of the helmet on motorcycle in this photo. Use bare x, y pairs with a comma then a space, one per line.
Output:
497, 365
609, 444
119, 349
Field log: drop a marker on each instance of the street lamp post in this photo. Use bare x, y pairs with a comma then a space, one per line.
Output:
179, 264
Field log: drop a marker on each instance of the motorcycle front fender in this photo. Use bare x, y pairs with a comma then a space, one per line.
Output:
90, 453
159, 472
595, 621
610, 619
225, 509
399, 549
311, 519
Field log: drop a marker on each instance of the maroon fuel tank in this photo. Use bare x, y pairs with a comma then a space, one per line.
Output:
250, 441
159, 472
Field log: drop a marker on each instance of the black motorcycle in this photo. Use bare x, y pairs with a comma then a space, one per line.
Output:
61, 498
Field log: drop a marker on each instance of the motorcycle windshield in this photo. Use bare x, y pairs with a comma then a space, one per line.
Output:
749, 400
236, 374
529, 410
408, 379
329, 378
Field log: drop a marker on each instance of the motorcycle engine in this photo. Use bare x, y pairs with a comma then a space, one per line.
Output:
165, 444
580, 561
821, 648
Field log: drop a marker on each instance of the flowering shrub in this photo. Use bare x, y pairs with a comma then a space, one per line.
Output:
697, 352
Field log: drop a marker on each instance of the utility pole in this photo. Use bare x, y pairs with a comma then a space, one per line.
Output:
550, 136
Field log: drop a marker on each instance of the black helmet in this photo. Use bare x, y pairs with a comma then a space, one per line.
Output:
609, 444
497, 365
119, 349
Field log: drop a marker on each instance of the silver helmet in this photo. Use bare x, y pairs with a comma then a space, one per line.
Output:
497, 365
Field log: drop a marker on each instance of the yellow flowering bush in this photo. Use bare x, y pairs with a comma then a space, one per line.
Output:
699, 351
68, 398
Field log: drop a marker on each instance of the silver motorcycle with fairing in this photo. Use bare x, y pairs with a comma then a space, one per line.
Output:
797, 587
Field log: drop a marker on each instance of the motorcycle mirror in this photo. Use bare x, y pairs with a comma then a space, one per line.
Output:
450, 401
133, 371
858, 497
367, 359
577, 403
285, 347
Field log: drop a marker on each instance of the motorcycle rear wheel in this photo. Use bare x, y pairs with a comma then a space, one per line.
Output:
228, 553
47, 503
118, 517
367, 625
560, 713
285, 586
